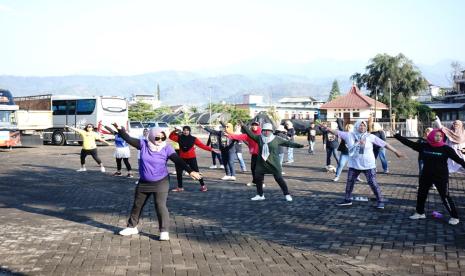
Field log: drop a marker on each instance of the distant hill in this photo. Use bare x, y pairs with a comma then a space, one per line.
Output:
178, 87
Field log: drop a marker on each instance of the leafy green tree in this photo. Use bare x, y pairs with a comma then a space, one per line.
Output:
335, 92
399, 72
141, 111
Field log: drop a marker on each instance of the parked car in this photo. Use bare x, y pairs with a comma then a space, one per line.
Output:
136, 129
162, 125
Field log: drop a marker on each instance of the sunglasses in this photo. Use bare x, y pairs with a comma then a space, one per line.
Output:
160, 138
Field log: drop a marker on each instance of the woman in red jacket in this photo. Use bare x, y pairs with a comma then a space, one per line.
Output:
253, 147
187, 152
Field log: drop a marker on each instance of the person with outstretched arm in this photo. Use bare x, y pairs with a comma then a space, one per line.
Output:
268, 159
154, 177
435, 154
89, 136
362, 160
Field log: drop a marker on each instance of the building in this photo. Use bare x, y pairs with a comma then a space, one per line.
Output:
352, 106
303, 108
152, 100
459, 83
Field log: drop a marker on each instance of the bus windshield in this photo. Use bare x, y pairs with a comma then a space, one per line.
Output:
6, 119
114, 104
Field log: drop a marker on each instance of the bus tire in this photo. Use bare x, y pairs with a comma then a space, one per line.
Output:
58, 138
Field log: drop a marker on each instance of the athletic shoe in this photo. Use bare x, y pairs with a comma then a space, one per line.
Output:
213, 167
129, 231
453, 221
186, 173
82, 170
130, 175
226, 177
344, 203
288, 198
386, 172
203, 188
222, 167
102, 169
232, 178
359, 180
173, 173
380, 205
117, 174
417, 216
178, 190
283, 173
250, 184
264, 185
258, 197
137, 182
336, 179
164, 236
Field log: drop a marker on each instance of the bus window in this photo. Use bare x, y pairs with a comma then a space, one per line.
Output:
114, 104
71, 107
59, 107
85, 107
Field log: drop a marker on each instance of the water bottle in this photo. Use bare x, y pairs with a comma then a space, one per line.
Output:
437, 215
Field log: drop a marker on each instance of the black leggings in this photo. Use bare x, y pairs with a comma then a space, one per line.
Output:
126, 163
259, 177
192, 162
443, 190
253, 165
140, 198
92, 152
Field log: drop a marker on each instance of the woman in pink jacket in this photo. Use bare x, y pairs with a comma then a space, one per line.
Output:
253, 147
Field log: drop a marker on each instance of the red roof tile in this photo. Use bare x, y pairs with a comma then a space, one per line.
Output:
354, 99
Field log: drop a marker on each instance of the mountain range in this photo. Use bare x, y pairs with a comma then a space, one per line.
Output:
224, 84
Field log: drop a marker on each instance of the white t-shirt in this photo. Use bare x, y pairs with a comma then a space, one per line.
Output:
363, 159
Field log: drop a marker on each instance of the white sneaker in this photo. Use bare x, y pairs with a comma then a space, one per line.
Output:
288, 198
250, 184
283, 173
102, 169
173, 173
222, 167
417, 216
453, 221
232, 178
164, 236
213, 167
258, 197
129, 231
82, 170
263, 185
186, 173
336, 179
226, 177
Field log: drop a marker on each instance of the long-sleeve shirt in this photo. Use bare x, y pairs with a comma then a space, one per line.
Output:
253, 146
191, 152
88, 138
152, 166
434, 158
225, 144
272, 164
362, 160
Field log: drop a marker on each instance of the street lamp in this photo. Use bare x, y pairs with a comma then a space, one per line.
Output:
390, 98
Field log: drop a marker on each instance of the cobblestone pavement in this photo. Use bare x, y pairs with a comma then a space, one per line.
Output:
56, 221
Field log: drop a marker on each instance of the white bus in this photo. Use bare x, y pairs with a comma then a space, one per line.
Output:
77, 111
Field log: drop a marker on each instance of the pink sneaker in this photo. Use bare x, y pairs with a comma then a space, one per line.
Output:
203, 188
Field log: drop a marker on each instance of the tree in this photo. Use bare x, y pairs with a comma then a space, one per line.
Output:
404, 76
237, 114
184, 119
335, 92
141, 111
456, 69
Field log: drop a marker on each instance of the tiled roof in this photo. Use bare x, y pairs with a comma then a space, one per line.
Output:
354, 99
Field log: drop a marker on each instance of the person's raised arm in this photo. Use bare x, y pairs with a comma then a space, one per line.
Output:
289, 144
110, 130
453, 155
130, 140
179, 162
73, 128
413, 145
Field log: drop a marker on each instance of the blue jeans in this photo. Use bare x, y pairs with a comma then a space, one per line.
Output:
290, 154
382, 157
228, 162
215, 156
343, 159
330, 152
241, 161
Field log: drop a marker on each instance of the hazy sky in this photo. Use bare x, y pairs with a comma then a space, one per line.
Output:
54, 37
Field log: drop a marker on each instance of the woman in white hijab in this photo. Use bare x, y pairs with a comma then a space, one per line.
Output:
362, 160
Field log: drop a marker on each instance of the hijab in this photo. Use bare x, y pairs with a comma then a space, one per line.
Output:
455, 135
156, 145
432, 142
359, 136
265, 148
186, 142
